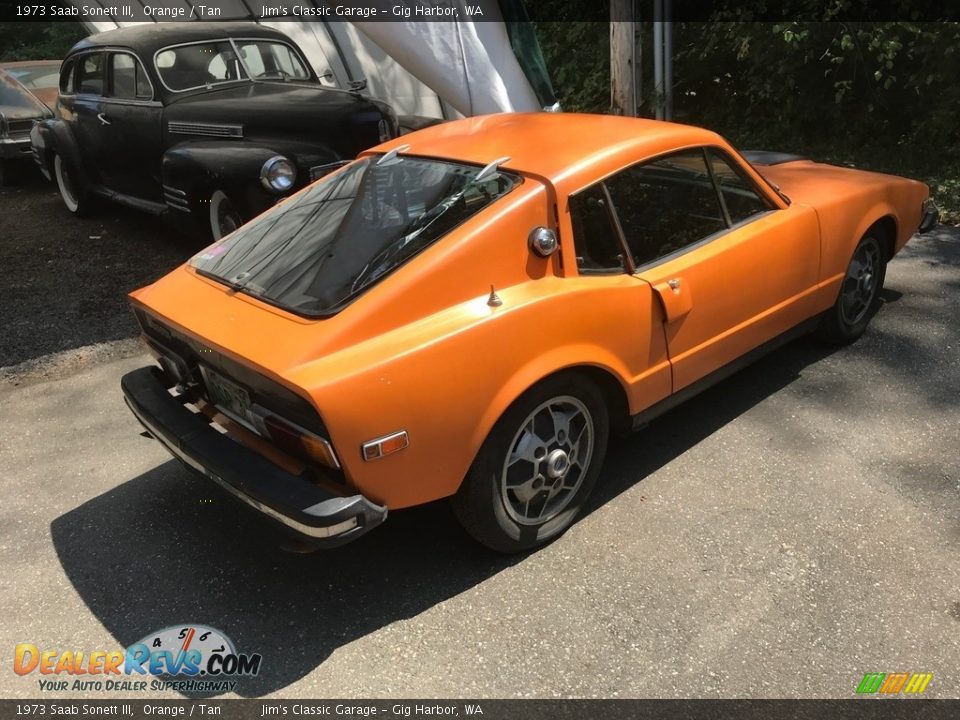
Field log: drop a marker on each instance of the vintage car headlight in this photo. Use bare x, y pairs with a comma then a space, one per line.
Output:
278, 174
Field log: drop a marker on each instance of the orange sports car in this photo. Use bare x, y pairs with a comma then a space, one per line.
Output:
469, 311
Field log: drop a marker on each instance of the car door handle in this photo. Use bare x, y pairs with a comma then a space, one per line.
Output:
675, 297
102, 119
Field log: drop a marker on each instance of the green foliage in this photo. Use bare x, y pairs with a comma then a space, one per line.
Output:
880, 95
38, 40
578, 58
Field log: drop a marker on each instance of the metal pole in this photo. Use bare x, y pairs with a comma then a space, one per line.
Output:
667, 61
658, 57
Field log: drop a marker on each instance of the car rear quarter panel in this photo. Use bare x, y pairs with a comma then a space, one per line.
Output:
447, 378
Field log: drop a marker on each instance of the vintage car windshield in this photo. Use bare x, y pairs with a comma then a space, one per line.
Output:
325, 246
185, 67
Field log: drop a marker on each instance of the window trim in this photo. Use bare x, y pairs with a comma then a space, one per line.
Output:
725, 156
311, 76
614, 220
152, 100
71, 63
662, 156
716, 186
81, 57
700, 243
643, 267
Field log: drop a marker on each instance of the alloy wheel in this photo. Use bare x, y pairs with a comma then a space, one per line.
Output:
548, 460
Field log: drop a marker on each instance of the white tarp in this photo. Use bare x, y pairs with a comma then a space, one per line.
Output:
469, 64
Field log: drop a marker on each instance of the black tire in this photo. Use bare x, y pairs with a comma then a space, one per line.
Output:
223, 216
859, 295
75, 197
490, 502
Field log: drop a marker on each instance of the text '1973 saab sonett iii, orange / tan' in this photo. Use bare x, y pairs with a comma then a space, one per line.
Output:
470, 310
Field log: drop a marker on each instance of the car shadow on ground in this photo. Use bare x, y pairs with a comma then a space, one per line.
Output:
169, 548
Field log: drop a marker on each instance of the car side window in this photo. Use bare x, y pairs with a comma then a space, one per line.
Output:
665, 205
595, 239
739, 195
66, 77
128, 80
90, 74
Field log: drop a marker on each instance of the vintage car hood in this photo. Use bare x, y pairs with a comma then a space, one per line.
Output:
279, 112
48, 96
273, 104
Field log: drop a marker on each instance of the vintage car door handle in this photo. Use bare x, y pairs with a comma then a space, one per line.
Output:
102, 119
675, 297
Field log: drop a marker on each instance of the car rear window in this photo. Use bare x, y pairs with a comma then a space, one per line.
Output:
324, 247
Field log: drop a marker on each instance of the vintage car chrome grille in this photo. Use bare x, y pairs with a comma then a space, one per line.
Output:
208, 129
19, 129
176, 199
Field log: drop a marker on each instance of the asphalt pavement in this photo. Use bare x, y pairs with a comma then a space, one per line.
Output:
788, 531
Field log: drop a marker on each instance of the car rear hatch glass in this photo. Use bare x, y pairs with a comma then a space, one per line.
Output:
326, 246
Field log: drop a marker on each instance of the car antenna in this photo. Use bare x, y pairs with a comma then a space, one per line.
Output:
491, 169
392, 154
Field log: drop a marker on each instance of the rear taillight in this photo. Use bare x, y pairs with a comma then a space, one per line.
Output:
299, 442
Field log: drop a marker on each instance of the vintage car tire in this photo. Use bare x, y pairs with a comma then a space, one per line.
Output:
76, 200
224, 217
859, 295
484, 505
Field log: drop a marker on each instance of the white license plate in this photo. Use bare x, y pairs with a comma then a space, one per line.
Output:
226, 395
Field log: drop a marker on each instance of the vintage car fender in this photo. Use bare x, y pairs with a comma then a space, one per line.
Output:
56, 137
200, 168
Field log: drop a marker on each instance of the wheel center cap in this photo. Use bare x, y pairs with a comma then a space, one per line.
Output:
557, 463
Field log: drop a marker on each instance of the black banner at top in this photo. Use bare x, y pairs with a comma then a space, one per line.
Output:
479, 10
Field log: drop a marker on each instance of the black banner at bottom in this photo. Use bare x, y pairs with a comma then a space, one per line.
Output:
854, 709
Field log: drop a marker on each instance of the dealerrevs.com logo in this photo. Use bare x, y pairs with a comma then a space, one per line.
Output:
186, 658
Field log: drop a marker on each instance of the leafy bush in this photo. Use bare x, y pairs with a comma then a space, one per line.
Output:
879, 95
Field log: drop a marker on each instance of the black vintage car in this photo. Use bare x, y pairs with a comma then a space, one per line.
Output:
206, 123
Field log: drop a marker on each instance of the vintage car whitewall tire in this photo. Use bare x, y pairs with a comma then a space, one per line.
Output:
859, 295
537, 467
224, 218
73, 196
